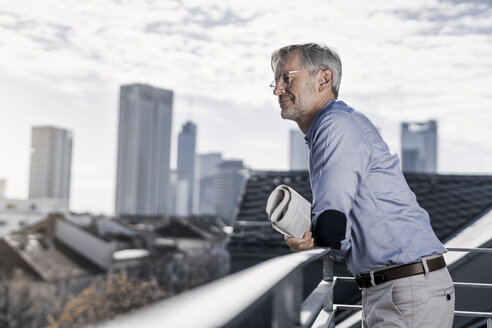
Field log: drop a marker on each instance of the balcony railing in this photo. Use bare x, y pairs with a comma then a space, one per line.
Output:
228, 300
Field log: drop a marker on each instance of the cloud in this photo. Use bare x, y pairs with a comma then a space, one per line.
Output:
403, 60
450, 18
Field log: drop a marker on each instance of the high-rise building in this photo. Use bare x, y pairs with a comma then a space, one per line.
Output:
51, 161
419, 146
181, 198
186, 165
144, 150
173, 184
298, 151
228, 185
208, 170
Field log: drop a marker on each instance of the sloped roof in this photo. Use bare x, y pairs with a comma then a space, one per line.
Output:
196, 227
49, 259
180, 229
452, 201
213, 225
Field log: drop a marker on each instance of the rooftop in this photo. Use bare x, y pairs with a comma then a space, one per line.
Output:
47, 257
452, 201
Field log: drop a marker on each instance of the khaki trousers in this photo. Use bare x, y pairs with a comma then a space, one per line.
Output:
421, 301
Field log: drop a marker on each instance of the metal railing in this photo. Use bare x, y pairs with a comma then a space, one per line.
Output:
334, 307
223, 301
226, 300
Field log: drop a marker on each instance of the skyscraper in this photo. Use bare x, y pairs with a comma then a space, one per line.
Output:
208, 170
51, 161
228, 185
186, 164
144, 150
419, 146
298, 151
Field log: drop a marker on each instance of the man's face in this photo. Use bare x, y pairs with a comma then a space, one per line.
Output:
298, 98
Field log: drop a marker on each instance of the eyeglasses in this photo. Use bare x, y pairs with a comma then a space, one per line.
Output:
286, 79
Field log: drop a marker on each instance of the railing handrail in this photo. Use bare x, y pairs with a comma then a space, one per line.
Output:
469, 249
217, 302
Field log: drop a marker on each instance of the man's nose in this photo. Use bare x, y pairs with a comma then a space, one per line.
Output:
279, 89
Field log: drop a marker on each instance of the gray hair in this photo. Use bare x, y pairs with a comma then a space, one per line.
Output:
313, 56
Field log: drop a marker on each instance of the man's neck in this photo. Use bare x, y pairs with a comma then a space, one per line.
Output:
305, 121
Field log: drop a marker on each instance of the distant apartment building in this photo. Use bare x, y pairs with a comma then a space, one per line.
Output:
51, 161
227, 184
186, 168
208, 170
298, 151
419, 146
144, 150
18, 213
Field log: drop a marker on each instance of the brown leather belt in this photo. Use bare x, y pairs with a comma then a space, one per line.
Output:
402, 271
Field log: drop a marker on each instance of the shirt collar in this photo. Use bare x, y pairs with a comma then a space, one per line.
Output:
310, 131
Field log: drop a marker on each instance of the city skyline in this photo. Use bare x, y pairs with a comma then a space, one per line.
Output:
63, 63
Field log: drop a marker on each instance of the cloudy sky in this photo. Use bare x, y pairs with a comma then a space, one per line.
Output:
62, 62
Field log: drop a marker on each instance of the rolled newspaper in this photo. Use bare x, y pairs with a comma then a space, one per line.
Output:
289, 212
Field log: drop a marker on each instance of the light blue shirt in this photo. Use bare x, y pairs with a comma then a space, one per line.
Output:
352, 171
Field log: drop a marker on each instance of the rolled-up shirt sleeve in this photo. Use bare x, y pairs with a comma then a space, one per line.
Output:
340, 157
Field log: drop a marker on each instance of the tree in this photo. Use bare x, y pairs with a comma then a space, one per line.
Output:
105, 299
16, 301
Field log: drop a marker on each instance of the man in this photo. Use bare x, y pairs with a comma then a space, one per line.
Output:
362, 206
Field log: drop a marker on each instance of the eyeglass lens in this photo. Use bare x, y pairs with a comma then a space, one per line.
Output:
286, 80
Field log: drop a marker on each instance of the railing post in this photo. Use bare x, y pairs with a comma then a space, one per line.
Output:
287, 301
489, 323
328, 268
328, 273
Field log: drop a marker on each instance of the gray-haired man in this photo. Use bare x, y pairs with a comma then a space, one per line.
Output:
362, 206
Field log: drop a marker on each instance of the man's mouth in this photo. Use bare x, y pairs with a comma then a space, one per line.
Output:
284, 99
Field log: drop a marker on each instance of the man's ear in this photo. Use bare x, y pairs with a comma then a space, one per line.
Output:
326, 80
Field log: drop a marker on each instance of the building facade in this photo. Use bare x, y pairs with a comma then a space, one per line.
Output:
208, 170
419, 146
144, 150
298, 151
227, 185
186, 166
18, 213
51, 161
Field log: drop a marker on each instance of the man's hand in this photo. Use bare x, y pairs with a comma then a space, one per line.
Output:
300, 244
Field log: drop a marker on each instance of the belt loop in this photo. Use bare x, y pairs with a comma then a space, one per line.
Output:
426, 268
373, 283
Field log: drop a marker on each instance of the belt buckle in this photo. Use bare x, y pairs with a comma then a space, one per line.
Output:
362, 285
375, 277
380, 275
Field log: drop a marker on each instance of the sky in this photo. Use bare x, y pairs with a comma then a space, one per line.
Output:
62, 63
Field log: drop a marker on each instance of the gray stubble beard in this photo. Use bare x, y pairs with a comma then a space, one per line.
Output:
299, 105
